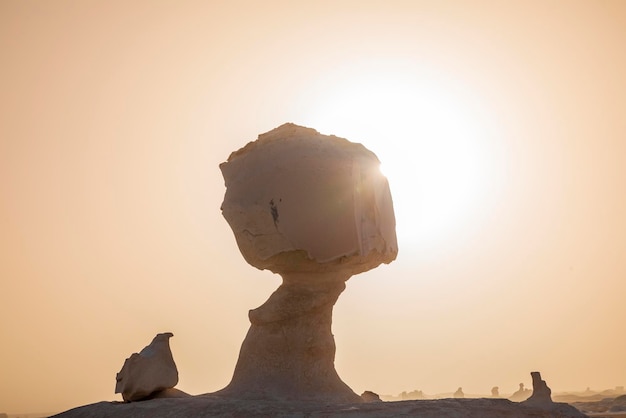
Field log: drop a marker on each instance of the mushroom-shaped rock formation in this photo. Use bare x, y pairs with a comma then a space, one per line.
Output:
316, 210
150, 371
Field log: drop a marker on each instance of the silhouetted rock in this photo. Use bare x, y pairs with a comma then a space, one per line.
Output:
369, 396
541, 392
299, 201
150, 371
521, 394
316, 210
459, 393
495, 392
415, 394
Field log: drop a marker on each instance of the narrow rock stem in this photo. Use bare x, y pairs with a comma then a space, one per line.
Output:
289, 350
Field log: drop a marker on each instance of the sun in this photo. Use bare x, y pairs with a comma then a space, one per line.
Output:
430, 137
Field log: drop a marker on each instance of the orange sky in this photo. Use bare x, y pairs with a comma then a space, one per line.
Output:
501, 125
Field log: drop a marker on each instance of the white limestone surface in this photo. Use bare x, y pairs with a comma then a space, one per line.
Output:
297, 200
149, 371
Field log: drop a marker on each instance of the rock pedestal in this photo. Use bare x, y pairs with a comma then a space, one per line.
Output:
289, 351
316, 210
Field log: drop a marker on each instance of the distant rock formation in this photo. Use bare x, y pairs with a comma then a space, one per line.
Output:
316, 210
541, 392
459, 393
143, 375
369, 396
495, 392
521, 394
415, 394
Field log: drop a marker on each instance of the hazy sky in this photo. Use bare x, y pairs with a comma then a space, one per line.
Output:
501, 126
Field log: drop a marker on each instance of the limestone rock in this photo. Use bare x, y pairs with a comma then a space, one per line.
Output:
299, 200
169, 393
369, 396
149, 371
521, 394
289, 351
541, 392
315, 209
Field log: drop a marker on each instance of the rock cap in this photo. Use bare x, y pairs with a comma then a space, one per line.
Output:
300, 201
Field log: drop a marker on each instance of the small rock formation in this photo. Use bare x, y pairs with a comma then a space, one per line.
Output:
369, 396
495, 392
541, 392
316, 210
150, 371
459, 393
415, 394
521, 394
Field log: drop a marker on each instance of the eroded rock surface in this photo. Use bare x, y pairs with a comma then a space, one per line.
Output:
297, 200
521, 394
541, 395
148, 372
369, 396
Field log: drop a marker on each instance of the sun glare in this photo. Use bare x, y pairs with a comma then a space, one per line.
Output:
430, 140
